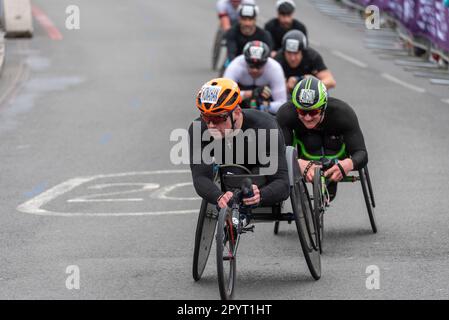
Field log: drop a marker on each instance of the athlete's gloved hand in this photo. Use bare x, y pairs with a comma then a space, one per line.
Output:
255, 199
292, 81
336, 173
262, 93
224, 199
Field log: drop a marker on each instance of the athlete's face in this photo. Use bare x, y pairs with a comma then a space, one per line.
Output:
255, 72
247, 26
220, 129
235, 3
285, 20
310, 121
293, 58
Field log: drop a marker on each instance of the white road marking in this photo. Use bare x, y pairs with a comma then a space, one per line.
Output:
402, 83
97, 197
445, 100
34, 205
162, 193
350, 59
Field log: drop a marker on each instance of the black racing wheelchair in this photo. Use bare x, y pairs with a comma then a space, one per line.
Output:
228, 224
321, 197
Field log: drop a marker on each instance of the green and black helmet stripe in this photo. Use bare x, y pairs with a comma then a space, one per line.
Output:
310, 94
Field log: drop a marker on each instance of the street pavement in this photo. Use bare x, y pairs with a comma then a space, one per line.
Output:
87, 181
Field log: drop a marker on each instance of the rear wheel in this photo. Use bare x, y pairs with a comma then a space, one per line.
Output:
226, 259
306, 227
276, 227
204, 236
367, 201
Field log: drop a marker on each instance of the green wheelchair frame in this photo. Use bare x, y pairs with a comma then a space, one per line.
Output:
320, 190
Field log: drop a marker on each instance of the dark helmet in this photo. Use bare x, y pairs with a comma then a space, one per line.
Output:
285, 6
248, 10
310, 94
256, 53
294, 41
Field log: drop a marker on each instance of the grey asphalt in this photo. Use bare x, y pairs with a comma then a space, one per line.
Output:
105, 99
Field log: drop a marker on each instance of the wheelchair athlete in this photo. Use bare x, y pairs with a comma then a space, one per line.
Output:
260, 78
221, 115
228, 12
322, 128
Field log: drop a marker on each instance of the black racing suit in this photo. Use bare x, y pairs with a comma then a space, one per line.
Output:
235, 40
339, 126
277, 187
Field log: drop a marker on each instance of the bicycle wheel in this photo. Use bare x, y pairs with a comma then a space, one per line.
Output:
367, 201
204, 236
226, 259
217, 48
306, 227
318, 206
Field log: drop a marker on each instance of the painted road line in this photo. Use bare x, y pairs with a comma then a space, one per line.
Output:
349, 59
99, 197
402, 83
35, 205
445, 100
46, 23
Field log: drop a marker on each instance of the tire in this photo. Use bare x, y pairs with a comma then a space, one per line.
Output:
204, 236
306, 227
369, 208
318, 204
276, 227
226, 239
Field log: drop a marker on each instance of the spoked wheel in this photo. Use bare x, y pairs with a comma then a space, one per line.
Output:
226, 254
276, 227
364, 176
306, 227
204, 236
318, 206
217, 48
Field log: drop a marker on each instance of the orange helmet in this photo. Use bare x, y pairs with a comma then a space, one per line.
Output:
218, 96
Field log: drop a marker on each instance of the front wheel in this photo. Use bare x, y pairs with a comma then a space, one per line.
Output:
318, 205
226, 254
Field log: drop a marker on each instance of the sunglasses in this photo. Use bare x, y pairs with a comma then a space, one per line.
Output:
214, 119
257, 66
311, 113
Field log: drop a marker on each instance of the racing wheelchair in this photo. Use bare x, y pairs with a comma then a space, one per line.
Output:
228, 224
321, 197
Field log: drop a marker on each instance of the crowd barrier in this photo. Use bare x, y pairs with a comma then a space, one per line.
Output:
424, 23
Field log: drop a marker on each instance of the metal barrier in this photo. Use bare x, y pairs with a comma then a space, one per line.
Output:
416, 53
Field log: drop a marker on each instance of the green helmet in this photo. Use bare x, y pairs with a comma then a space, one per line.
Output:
310, 94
